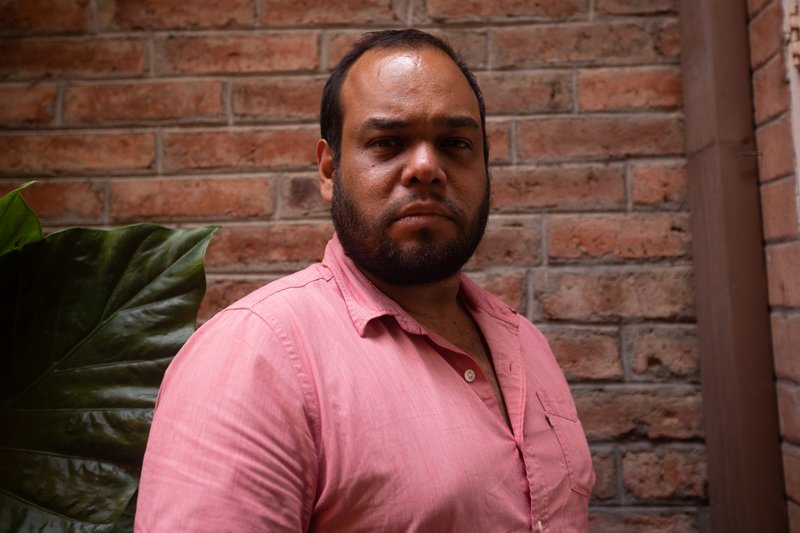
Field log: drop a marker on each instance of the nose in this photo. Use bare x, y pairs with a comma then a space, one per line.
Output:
423, 166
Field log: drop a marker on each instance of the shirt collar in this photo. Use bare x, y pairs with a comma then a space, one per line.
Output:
365, 302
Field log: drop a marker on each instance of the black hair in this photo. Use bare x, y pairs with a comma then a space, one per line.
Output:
330, 120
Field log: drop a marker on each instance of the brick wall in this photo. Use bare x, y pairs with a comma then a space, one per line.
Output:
188, 113
777, 139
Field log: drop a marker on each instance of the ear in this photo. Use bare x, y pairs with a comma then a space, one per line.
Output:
325, 169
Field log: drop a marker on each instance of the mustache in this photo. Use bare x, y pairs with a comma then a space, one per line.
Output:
393, 210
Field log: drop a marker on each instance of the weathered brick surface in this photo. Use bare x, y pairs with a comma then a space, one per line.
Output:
278, 99
655, 413
124, 102
662, 352
664, 293
509, 242
242, 149
502, 9
636, 7
605, 487
665, 474
523, 92
301, 13
64, 201
99, 58
221, 292
791, 465
625, 521
630, 89
610, 43
789, 410
660, 186
43, 16
586, 353
583, 188
602, 138
785, 340
615, 238
237, 53
771, 89
178, 198
74, 153
779, 209
499, 134
284, 247
300, 198
765, 33
782, 269
776, 153
168, 14
509, 286
27, 104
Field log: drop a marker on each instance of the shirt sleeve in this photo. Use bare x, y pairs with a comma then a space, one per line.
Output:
232, 446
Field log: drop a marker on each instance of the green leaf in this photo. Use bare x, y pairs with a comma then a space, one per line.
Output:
19, 225
89, 321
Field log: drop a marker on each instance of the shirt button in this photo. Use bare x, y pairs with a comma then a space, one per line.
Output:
469, 375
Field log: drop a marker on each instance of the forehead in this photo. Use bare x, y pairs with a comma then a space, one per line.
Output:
406, 83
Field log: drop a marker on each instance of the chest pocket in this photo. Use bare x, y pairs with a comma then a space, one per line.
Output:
563, 420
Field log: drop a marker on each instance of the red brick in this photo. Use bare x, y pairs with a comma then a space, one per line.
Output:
237, 54
770, 89
785, 340
794, 517
779, 209
558, 188
560, 139
64, 201
451, 10
783, 265
167, 14
304, 12
753, 6
220, 293
561, 45
52, 154
43, 16
300, 198
616, 413
615, 238
605, 487
776, 152
525, 92
586, 354
106, 58
125, 102
630, 89
240, 149
509, 286
267, 247
663, 352
592, 295
636, 7
499, 134
791, 471
175, 199
509, 242
669, 40
766, 31
607, 520
27, 104
789, 410
659, 186
665, 474
278, 98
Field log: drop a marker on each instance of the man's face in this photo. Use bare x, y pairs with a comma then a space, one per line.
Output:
410, 195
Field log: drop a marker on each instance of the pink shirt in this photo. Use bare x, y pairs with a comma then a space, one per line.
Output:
316, 403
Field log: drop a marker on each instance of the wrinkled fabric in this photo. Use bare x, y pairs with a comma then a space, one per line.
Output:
317, 403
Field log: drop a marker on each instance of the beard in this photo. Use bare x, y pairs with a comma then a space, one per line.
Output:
425, 260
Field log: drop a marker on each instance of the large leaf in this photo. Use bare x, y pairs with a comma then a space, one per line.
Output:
91, 320
19, 225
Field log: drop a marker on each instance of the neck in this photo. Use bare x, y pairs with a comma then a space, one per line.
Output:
424, 300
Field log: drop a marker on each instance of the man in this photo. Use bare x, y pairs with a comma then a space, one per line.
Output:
380, 390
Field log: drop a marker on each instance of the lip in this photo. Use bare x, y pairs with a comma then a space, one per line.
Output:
423, 210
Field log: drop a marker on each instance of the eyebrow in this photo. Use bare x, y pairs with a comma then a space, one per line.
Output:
456, 121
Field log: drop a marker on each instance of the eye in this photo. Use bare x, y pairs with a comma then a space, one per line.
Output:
386, 142
456, 143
